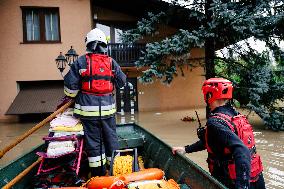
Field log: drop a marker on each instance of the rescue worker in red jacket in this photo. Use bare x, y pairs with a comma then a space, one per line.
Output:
91, 81
229, 140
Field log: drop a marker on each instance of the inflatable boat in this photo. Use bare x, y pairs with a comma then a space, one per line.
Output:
155, 153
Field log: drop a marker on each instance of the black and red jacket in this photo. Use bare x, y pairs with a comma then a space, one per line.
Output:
243, 129
93, 92
220, 137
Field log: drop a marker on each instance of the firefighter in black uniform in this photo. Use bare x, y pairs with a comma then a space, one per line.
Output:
229, 140
91, 81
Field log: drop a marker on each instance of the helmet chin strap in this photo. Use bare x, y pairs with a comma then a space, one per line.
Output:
97, 48
102, 49
94, 46
209, 106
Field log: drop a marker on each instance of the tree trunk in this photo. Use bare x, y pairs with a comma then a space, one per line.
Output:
209, 44
209, 49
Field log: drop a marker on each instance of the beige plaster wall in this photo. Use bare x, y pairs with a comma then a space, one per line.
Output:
33, 62
183, 92
28, 62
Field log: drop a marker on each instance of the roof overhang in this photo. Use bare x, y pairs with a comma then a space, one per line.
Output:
178, 16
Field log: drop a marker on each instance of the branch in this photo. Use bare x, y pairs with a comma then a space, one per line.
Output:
232, 61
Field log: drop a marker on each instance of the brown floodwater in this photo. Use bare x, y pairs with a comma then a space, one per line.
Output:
168, 126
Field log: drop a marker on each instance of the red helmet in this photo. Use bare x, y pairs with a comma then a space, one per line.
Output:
217, 88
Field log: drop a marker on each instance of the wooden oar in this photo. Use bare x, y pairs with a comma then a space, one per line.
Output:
21, 175
35, 128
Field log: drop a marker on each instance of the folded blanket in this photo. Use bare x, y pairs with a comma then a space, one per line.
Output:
67, 121
77, 128
66, 133
58, 148
67, 112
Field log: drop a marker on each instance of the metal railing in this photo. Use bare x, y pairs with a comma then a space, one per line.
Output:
125, 54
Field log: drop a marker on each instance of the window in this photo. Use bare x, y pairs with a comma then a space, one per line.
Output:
111, 32
41, 25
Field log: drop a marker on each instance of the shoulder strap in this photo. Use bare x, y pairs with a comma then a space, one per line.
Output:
227, 119
86, 59
110, 62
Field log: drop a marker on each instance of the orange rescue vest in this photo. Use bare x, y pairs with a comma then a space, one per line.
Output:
97, 79
241, 127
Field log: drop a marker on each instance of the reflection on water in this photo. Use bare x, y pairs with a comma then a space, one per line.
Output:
167, 125
11, 131
270, 145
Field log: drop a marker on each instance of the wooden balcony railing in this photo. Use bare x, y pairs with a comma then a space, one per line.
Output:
125, 54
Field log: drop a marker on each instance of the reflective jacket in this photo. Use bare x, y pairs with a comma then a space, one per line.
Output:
89, 105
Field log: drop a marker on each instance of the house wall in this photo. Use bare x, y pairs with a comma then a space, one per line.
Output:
36, 62
31, 62
183, 92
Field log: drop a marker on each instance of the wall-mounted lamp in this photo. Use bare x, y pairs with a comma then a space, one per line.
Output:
71, 56
61, 61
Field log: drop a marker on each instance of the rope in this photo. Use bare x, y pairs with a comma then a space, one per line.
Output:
123, 165
86, 183
21, 175
35, 128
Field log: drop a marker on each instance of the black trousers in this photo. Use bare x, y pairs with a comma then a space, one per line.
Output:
259, 184
100, 141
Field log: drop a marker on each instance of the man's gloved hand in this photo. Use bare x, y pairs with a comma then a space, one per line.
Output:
63, 101
178, 149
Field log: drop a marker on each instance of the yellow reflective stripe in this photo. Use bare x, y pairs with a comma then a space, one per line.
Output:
103, 113
71, 90
108, 160
97, 163
97, 158
94, 108
70, 94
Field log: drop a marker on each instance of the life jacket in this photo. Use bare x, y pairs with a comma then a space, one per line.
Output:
97, 79
241, 127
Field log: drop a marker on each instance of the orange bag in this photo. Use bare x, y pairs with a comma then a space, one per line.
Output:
146, 174
102, 182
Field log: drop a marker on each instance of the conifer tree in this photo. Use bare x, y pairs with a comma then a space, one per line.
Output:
222, 22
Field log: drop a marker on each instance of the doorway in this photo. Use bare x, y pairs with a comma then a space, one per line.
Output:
126, 97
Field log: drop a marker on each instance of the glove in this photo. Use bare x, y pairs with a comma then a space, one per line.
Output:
178, 149
63, 101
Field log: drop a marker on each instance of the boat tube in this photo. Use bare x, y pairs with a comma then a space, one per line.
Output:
112, 182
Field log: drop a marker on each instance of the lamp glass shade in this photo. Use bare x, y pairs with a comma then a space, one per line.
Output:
61, 62
71, 56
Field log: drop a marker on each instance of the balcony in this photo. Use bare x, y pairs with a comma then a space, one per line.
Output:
125, 54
